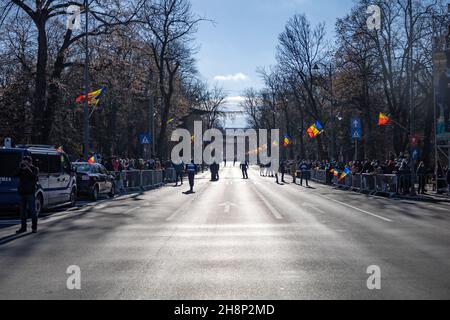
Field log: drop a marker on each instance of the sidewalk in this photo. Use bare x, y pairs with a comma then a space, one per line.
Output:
432, 197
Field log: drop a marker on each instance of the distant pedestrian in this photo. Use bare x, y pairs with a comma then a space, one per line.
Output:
304, 173
293, 167
191, 170
421, 174
217, 169
283, 170
244, 169
28, 178
179, 173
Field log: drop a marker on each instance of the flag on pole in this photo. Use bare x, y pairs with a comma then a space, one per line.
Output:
383, 120
93, 97
346, 172
315, 130
93, 159
286, 141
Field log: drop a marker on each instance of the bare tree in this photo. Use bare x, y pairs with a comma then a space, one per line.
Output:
171, 25
105, 17
212, 101
302, 47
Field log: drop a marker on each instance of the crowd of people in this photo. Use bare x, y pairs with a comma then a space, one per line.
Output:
399, 166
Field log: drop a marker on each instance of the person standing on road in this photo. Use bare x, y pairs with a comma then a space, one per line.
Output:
217, 169
421, 174
283, 170
191, 170
293, 167
28, 178
179, 173
304, 172
214, 173
244, 168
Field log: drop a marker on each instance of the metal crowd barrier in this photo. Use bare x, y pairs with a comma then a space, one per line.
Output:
139, 180
170, 175
365, 183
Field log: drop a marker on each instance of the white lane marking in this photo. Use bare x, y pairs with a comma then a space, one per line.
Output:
227, 206
131, 210
101, 206
309, 205
274, 211
355, 208
439, 208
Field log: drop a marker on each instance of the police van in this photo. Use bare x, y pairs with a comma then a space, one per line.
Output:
57, 180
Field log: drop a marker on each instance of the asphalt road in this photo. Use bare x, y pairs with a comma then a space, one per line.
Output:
234, 239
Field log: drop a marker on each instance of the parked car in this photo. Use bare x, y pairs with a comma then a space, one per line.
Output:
94, 180
56, 186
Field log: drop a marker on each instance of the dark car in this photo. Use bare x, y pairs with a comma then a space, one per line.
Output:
93, 180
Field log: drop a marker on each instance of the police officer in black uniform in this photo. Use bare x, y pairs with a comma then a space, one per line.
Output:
191, 170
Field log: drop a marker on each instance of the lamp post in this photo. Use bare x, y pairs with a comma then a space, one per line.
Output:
86, 84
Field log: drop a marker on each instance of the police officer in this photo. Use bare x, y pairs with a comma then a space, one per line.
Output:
191, 170
304, 173
28, 177
214, 173
179, 173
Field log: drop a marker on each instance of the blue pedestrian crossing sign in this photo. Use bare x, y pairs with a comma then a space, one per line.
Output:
145, 139
357, 130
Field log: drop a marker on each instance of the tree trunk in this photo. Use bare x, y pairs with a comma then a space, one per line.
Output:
40, 85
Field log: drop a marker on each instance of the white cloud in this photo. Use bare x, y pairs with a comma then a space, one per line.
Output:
236, 99
232, 77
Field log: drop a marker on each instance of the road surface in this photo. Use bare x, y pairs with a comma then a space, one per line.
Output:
234, 239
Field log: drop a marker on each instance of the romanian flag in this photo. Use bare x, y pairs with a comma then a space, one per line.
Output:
93, 97
383, 120
93, 159
315, 130
286, 141
346, 172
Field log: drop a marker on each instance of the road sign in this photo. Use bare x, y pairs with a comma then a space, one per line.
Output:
8, 143
145, 139
357, 131
415, 154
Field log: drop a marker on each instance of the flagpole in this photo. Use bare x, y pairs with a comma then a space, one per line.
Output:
402, 127
86, 115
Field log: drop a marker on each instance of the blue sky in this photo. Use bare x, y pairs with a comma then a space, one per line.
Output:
244, 37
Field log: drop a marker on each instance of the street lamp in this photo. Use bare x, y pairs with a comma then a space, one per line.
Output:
86, 83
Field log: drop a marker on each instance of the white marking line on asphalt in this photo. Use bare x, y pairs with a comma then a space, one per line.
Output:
101, 206
358, 209
131, 210
274, 211
439, 208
